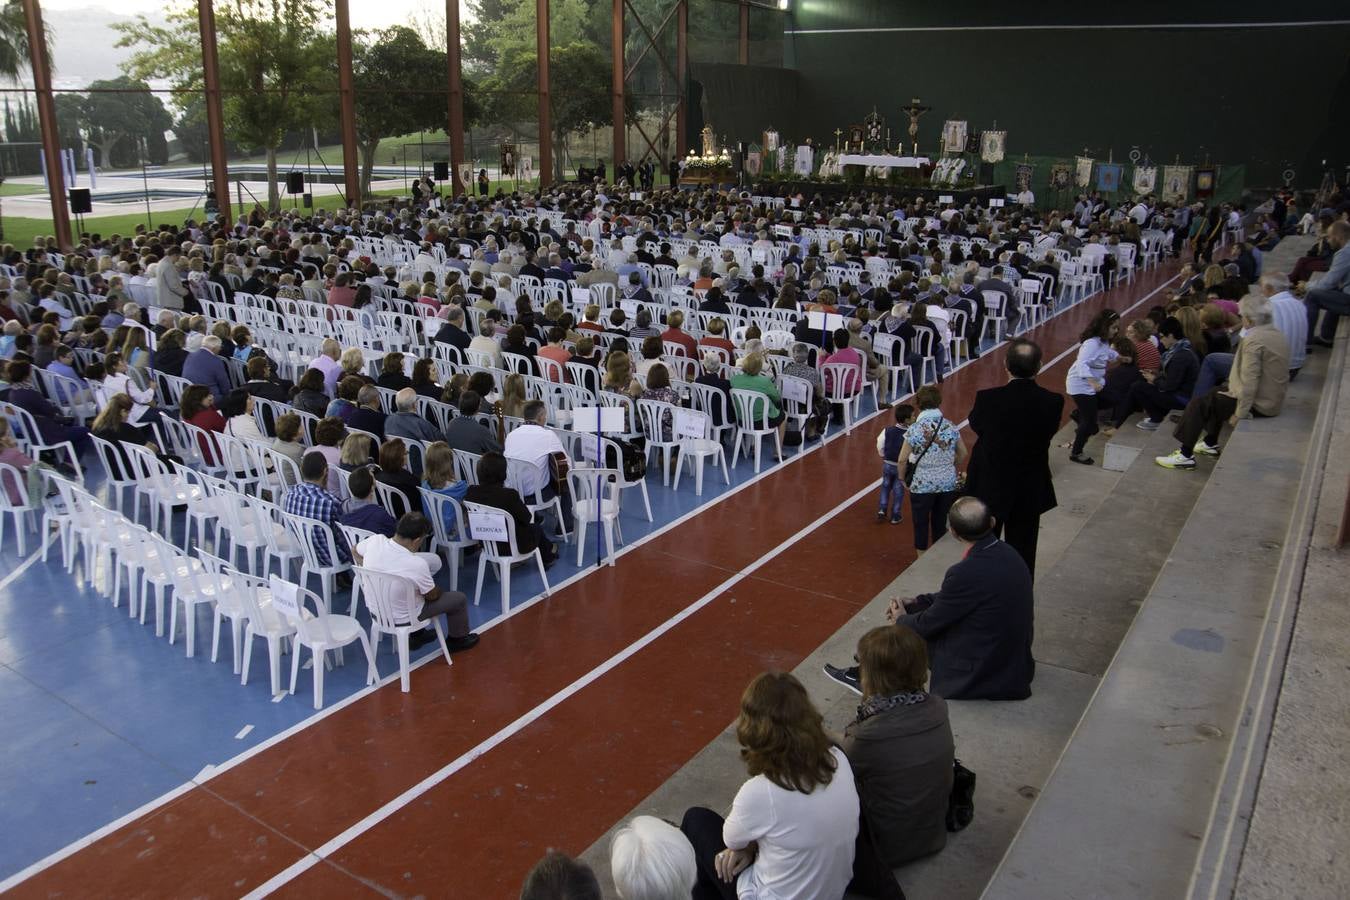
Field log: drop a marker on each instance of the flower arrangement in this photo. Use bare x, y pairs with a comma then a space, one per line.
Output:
714, 163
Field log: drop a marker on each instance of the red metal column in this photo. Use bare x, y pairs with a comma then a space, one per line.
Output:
51, 140
215, 119
743, 55
541, 22
682, 75
347, 104
620, 135
452, 59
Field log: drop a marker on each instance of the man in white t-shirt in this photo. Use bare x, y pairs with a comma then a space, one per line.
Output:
535, 444
401, 556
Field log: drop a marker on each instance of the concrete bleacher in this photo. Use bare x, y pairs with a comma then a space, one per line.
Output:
1133, 770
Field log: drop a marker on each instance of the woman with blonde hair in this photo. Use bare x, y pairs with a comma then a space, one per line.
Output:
513, 395
353, 363
355, 452
438, 477
793, 824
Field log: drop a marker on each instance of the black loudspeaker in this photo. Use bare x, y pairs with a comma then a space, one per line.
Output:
295, 182
440, 171
307, 201
80, 201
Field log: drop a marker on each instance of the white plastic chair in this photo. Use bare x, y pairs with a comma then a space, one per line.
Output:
23, 510
844, 388
162, 489
503, 560
306, 533
994, 314
320, 631
595, 495
751, 428
395, 605
450, 539
656, 417
696, 449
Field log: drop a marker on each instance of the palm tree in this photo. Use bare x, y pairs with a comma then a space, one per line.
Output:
14, 60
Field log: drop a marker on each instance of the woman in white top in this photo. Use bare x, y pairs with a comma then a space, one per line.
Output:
116, 380
1087, 377
237, 408
791, 831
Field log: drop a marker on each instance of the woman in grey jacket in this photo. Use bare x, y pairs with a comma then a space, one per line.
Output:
900, 747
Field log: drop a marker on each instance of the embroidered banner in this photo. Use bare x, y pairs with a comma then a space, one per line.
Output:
992, 145
1145, 179
1083, 172
1108, 177
1204, 181
954, 136
1176, 183
1061, 176
1023, 177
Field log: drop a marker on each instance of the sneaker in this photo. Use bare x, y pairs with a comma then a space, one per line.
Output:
1175, 460
849, 678
1147, 425
1205, 449
896, 520
881, 516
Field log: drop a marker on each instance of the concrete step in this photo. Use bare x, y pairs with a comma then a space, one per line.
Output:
1098, 553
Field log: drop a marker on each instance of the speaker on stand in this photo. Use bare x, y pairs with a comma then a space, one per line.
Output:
81, 203
295, 182
440, 171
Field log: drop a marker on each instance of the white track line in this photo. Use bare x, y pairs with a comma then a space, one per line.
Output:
210, 772
23, 566
426, 784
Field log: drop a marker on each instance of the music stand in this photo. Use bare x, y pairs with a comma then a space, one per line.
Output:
602, 420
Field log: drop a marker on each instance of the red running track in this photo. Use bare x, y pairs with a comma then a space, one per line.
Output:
320, 805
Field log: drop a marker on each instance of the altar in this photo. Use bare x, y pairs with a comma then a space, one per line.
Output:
883, 160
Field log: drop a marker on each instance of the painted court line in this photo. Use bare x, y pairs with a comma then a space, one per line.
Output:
243, 732
408, 796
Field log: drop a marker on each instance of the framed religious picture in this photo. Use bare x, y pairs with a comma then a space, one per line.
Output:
1061, 176
754, 162
1204, 181
1023, 177
856, 136
1176, 183
954, 136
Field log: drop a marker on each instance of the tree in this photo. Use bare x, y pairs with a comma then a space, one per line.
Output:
270, 52
396, 60
14, 59
110, 122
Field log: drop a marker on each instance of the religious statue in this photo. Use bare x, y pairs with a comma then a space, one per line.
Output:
709, 142
915, 109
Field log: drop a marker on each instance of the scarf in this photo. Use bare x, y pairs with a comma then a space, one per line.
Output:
1167, 354
875, 706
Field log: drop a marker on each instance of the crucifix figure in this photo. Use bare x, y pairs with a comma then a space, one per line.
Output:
915, 109
838, 132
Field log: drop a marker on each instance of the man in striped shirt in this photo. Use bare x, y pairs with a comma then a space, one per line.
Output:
1289, 316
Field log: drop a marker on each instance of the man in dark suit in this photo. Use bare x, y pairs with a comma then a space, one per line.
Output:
368, 416
1010, 464
979, 625
1011, 311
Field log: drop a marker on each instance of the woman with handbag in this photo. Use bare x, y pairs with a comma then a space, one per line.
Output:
934, 449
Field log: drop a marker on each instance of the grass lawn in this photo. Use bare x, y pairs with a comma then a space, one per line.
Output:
10, 189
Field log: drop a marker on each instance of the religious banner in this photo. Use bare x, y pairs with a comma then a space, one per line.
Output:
1108, 177
1023, 177
1145, 179
1204, 181
1176, 183
1083, 172
754, 162
954, 136
1061, 176
973, 142
466, 175
770, 142
992, 144
782, 162
508, 160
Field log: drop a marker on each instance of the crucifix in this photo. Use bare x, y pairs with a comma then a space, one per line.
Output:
837, 133
915, 109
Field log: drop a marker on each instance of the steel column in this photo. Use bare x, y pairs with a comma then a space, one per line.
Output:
620, 135
452, 58
743, 53
541, 22
351, 171
51, 139
682, 76
215, 118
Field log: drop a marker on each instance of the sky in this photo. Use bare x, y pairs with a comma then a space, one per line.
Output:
365, 13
